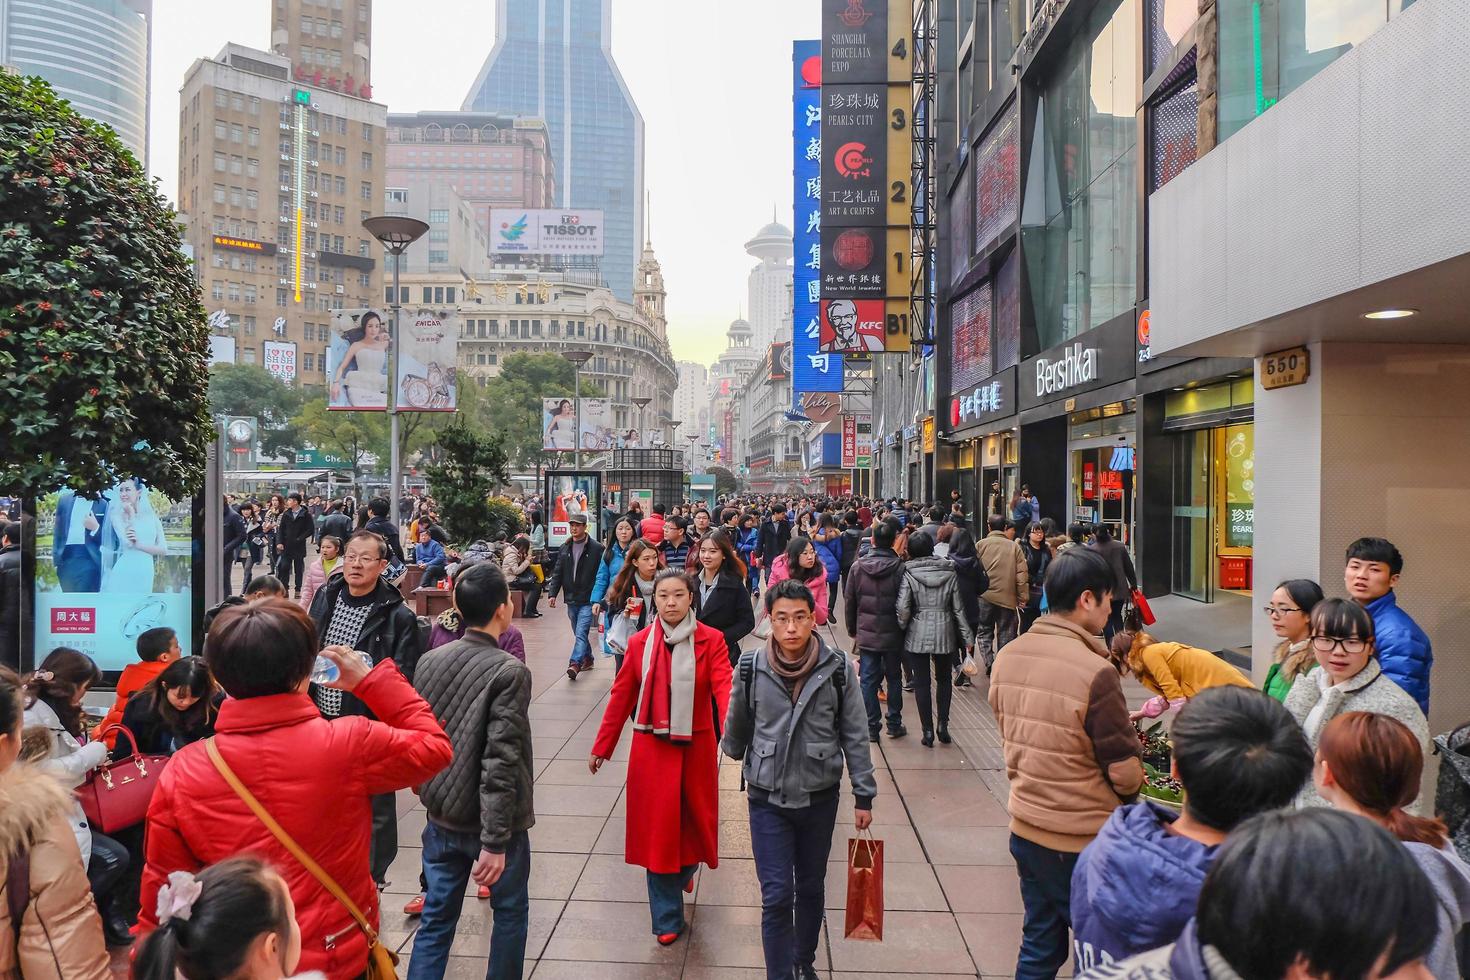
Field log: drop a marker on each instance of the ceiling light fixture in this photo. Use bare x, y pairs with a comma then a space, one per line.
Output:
1389, 314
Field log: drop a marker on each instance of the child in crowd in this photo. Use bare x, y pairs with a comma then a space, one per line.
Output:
1237, 752
235, 919
157, 648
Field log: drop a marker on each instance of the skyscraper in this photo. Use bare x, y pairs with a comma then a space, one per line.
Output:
770, 281
95, 54
553, 60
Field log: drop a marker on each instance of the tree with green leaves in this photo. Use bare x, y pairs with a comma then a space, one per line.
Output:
725, 482
251, 390
103, 343
351, 435
512, 401
470, 467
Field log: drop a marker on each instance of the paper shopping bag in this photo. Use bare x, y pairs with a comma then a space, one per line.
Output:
864, 888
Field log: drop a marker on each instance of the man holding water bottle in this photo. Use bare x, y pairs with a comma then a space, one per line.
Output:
361, 611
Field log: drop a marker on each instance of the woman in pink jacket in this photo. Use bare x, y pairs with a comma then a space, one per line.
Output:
800, 562
320, 570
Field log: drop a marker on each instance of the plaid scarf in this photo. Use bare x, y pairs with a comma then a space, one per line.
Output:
666, 690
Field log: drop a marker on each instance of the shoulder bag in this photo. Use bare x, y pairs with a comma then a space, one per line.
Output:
382, 962
116, 795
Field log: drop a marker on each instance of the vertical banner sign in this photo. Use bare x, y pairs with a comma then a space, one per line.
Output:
812, 369
849, 441
864, 442
280, 359
866, 154
426, 362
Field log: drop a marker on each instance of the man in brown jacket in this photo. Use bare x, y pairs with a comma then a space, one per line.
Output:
1005, 565
1072, 755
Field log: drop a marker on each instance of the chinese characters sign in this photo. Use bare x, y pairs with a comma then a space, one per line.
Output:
812, 369
992, 399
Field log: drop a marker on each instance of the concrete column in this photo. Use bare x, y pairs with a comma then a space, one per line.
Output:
1375, 443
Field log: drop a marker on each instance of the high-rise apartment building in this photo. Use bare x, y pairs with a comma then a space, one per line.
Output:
94, 53
328, 42
770, 281
276, 177
553, 60
489, 159
691, 399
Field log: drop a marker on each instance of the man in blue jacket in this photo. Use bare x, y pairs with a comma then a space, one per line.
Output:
1237, 752
1404, 653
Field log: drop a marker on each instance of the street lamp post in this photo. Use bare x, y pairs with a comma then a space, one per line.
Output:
396, 233
578, 358
641, 402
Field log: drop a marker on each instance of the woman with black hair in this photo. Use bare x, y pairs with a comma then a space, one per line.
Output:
933, 619
176, 708
799, 561
629, 600
53, 708
58, 933
721, 599
1038, 557
1290, 612
1125, 578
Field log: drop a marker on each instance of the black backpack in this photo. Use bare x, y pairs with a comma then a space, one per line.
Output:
746, 669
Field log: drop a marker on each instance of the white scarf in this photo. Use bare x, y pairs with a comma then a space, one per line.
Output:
680, 639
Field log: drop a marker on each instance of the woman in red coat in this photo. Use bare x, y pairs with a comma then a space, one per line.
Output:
315, 777
675, 685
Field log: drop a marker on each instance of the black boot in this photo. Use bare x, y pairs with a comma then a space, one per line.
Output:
927, 740
943, 734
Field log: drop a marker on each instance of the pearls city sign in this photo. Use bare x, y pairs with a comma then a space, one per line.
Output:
1077, 365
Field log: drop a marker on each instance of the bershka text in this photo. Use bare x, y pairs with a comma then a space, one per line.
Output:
1077, 365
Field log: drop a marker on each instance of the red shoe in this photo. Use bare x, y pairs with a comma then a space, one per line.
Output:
483, 891
689, 886
669, 938
415, 906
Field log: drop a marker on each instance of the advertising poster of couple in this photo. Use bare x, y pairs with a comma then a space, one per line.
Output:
559, 426
110, 570
357, 360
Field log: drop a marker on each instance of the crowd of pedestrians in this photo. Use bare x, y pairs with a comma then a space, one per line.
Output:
320, 695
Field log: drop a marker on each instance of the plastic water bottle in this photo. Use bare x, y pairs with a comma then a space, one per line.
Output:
325, 670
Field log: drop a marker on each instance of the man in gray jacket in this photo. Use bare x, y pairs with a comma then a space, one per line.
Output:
480, 807
794, 718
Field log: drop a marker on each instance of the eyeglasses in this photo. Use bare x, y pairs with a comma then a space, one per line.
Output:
800, 619
1274, 611
1351, 645
361, 559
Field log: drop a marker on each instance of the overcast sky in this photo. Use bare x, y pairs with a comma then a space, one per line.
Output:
712, 81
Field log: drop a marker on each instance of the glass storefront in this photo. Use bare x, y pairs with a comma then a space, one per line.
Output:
1103, 490
1269, 48
1213, 489
1079, 226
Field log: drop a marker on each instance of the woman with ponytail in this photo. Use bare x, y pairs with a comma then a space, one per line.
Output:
59, 936
234, 921
1370, 765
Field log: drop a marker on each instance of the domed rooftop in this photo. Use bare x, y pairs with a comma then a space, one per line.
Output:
740, 328
774, 230
773, 241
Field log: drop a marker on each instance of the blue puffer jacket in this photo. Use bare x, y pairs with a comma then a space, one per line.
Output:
607, 570
1403, 649
830, 552
1135, 886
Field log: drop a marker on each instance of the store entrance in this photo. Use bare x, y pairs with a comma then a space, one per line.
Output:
1103, 485
1214, 511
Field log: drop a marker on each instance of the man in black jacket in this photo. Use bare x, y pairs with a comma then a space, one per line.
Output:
233, 533
335, 523
380, 525
871, 612
575, 575
775, 536
358, 609
481, 806
294, 530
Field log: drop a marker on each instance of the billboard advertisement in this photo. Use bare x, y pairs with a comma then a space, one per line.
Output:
279, 358
849, 442
426, 361
109, 568
571, 492
597, 425
221, 350
559, 426
851, 325
546, 231
357, 361
811, 368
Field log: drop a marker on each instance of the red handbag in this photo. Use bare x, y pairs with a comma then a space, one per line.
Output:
116, 795
1140, 602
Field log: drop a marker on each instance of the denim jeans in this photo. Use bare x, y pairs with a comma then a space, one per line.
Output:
875, 668
581, 616
666, 899
1046, 894
791, 847
448, 857
998, 626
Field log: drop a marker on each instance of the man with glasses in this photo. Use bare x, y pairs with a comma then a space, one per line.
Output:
358, 609
794, 719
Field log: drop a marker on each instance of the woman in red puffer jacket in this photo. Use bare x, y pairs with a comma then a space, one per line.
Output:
314, 776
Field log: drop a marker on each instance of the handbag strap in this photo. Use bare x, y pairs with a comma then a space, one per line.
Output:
279, 832
18, 887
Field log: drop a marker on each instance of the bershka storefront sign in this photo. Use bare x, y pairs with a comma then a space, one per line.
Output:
1097, 358
991, 400
1077, 365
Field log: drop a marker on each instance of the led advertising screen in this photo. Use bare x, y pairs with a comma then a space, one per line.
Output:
970, 360
110, 567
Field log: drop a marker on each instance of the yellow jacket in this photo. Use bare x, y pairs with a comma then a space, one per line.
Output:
1178, 671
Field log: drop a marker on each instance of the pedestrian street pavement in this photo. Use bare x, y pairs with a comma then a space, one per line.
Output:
952, 902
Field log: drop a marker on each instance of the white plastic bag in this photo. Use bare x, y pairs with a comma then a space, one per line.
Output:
970, 667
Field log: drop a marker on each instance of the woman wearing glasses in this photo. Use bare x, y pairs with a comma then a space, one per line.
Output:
1290, 612
1350, 680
